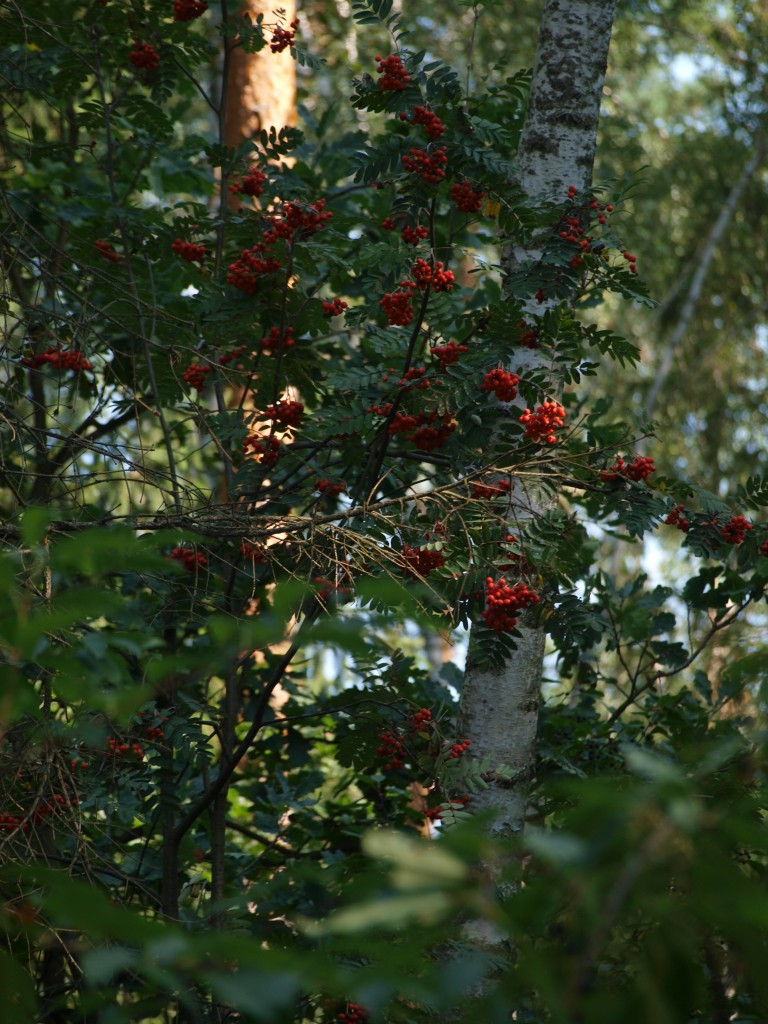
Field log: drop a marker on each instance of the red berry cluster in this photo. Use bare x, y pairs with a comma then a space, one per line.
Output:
59, 359
573, 232
735, 530
428, 430
189, 251
601, 210
326, 588
265, 450
354, 1014
246, 272
428, 119
394, 77
502, 383
412, 235
282, 38
154, 732
764, 549
236, 353
466, 198
541, 425
196, 375
289, 414
274, 341
436, 813
10, 822
529, 337
144, 55
457, 749
436, 277
503, 602
491, 490
189, 559
330, 488
641, 468
428, 165
43, 810
676, 518
251, 184
107, 251
188, 10
297, 221
421, 719
253, 551
116, 749
391, 748
398, 305
449, 353
631, 260
415, 378
421, 561
334, 308
438, 528
391, 744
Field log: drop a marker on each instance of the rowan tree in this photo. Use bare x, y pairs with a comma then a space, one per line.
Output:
293, 399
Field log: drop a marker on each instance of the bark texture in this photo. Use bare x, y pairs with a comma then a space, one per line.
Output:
499, 709
557, 147
261, 87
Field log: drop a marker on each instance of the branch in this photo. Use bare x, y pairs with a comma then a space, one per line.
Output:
227, 771
715, 628
697, 281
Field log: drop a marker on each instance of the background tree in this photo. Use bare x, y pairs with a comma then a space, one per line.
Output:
499, 704
260, 84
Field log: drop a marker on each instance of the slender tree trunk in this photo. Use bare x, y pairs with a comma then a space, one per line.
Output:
260, 87
696, 287
258, 93
499, 708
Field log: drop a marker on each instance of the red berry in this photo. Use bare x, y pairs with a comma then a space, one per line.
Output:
189, 251
421, 561
466, 198
188, 10
144, 55
394, 77
540, 425
502, 383
282, 38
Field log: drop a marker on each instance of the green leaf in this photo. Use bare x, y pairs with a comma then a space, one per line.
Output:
652, 766
395, 913
559, 848
258, 995
415, 863
34, 524
18, 989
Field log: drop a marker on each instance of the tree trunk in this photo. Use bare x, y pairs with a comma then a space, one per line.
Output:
259, 93
499, 708
260, 87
